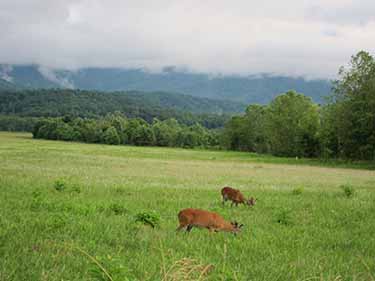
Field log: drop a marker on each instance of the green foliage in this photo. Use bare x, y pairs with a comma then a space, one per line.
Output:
353, 109
348, 190
287, 127
110, 136
284, 217
148, 218
247, 133
91, 104
292, 126
116, 129
118, 209
13, 123
75, 188
60, 185
297, 191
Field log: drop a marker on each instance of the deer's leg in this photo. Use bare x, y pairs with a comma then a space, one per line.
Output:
189, 228
180, 227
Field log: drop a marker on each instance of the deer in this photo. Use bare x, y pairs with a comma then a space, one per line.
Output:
236, 197
190, 218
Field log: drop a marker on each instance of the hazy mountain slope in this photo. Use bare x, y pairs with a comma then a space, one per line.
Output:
250, 89
5, 85
67, 102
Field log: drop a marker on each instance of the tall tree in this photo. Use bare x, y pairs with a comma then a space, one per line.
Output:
354, 100
292, 125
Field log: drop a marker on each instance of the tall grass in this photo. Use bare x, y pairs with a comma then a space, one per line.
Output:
88, 230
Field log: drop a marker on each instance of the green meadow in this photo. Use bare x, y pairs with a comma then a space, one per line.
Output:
74, 211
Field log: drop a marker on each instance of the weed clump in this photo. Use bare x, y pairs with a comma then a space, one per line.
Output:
297, 191
117, 209
152, 219
284, 217
76, 188
348, 190
36, 200
60, 185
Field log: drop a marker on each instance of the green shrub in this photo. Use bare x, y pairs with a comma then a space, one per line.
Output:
283, 216
60, 185
75, 188
36, 200
117, 209
297, 191
348, 190
152, 219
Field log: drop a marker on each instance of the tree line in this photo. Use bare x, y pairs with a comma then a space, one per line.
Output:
292, 125
117, 129
92, 104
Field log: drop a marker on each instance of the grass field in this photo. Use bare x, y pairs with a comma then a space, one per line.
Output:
67, 212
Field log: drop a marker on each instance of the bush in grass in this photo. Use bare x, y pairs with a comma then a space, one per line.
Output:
283, 216
60, 185
36, 200
119, 190
148, 218
56, 221
348, 190
117, 209
75, 188
297, 191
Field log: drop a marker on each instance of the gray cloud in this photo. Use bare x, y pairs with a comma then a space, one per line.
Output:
291, 37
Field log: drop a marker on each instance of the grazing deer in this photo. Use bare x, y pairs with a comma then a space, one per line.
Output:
236, 197
204, 219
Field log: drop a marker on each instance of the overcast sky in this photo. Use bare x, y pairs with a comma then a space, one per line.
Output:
292, 37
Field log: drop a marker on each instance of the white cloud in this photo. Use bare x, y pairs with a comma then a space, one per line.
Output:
292, 37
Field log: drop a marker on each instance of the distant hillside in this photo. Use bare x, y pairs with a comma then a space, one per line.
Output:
79, 103
249, 89
5, 85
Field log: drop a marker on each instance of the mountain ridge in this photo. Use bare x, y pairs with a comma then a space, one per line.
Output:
260, 88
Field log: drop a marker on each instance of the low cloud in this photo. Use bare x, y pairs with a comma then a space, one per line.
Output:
291, 37
52, 76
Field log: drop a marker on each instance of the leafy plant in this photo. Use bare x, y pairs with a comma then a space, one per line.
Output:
283, 216
297, 191
36, 200
348, 190
60, 185
117, 209
75, 188
152, 219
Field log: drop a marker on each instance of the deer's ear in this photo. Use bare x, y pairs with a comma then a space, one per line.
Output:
241, 225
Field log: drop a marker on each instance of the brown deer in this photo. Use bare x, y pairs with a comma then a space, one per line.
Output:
236, 197
204, 219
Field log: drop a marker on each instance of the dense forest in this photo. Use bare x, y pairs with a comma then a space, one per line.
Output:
292, 125
64, 102
117, 129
